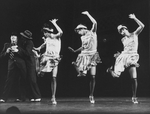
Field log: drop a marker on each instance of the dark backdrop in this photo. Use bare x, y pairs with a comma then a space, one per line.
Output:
19, 15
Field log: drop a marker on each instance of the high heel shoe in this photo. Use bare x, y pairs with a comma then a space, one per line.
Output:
109, 70
92, 101
134, 100
54, 101
2, 101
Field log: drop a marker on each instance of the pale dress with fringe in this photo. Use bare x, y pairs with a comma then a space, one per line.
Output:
89, 56
129, 55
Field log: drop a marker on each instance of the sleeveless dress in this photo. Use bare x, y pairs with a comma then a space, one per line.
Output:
51, 58
89, 56
129, 55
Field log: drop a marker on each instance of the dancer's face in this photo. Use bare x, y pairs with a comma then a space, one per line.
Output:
124, 32
13, 39
47, 34
82, 31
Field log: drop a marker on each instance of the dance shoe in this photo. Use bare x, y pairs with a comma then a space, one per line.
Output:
54, 102
134, 100
81, 74
2, 101
36, 100
17, 100
92, 101
112, 73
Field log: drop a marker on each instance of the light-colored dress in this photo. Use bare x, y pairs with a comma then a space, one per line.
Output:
51, 58
129, 55
89, 56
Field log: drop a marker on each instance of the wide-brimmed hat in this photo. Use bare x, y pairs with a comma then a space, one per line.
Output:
121, 27
27, 34
80, 26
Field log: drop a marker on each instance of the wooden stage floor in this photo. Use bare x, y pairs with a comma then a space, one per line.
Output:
103, 105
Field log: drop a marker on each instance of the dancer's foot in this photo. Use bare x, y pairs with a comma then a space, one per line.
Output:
2, 101
112, 73
53, 101
74, 63
134, 100
17, 100
92, 101
108, 69
36, 100
40, 74
81, 74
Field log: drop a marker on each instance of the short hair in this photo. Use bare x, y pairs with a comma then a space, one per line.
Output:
120, 27
46, 28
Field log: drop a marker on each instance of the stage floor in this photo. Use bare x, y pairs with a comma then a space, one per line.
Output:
106, 105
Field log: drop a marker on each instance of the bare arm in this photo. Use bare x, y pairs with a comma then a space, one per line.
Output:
141, 25
94, 26
40, 47
77, 50
60, 32
36, 53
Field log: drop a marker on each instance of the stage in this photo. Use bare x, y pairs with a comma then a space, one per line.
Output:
106, 105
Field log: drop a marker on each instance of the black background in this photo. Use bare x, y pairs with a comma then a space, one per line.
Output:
19, 15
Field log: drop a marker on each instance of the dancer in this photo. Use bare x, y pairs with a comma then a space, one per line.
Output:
89, 57
28, 45
16, 68
129, 57
51, 58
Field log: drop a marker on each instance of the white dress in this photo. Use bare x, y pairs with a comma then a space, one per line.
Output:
89, 56
51, 57
129, 55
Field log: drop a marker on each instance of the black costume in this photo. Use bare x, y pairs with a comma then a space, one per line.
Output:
16, 64
31, 67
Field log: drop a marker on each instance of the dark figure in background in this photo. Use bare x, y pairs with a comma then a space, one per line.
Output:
28, 45
16, 68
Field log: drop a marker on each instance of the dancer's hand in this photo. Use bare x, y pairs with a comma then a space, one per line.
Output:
71, 49
36, 53
14, 48
132, 16
117, 54
37, 49
8, 50
53, 20
44, 38
85, 12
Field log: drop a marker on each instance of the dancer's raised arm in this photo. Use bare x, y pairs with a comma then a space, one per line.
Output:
141, 25
60, 32
94, 26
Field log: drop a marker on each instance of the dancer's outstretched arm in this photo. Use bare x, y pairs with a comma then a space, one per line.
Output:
94, 26
141, 25
77, 50
60, 32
